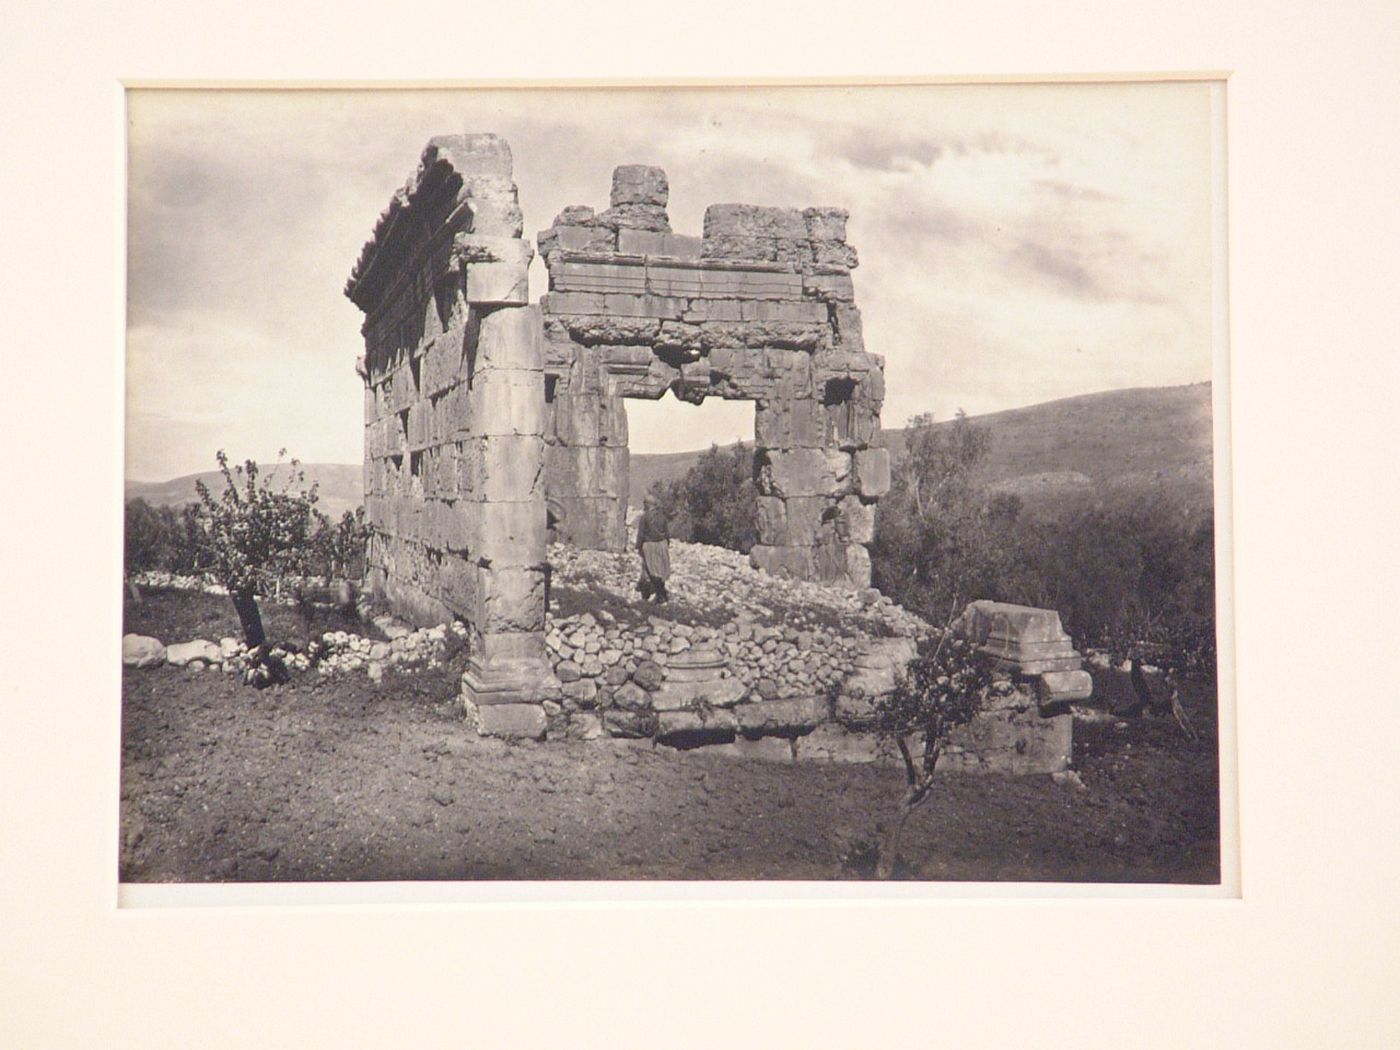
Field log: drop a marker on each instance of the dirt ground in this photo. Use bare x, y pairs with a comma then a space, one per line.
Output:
340, 778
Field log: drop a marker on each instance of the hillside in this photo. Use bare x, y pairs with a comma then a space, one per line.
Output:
1108, 448
340, 486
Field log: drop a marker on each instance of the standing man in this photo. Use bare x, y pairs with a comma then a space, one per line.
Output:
654, 543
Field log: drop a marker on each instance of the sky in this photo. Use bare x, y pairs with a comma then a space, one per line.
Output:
1018, 243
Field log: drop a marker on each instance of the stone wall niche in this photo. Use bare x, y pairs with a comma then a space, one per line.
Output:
454, 422
760, 308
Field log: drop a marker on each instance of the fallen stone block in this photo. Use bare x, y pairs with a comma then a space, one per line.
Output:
1010, 742
1061, 686
766, 717
629, 725
184, 652
1021, 638
139, 650
686, 729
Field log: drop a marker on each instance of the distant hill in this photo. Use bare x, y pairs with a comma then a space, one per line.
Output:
340, 486
1107, 449
1104, 449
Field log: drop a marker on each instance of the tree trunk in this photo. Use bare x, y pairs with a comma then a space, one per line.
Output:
248, 616
885, 867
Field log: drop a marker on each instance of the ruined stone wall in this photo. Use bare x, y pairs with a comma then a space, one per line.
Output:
761, 308
454, 413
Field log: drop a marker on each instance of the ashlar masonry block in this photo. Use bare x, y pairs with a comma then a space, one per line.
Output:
508, 401
806, 472
512, 468
872, 472
510, 339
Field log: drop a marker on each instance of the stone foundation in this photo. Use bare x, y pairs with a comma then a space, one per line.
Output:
679, 689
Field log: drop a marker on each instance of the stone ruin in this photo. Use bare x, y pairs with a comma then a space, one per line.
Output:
761, 308
492, 424
454, 421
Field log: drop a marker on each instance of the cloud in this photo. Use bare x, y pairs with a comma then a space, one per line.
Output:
1071, 193
1016, 243
1059, 267
877, 149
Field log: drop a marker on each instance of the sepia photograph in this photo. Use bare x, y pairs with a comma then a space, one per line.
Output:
796, 483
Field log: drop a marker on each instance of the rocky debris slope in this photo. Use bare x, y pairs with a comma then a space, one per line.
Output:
735, 651
781, 638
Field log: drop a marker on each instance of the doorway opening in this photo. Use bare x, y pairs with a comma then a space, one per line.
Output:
712, 444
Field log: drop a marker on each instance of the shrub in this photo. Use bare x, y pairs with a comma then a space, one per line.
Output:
160, 538
338, 548
1141, 576
715, 502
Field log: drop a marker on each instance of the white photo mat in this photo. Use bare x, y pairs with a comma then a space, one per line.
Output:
1307, 957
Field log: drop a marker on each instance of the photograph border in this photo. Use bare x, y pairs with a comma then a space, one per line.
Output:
304, 894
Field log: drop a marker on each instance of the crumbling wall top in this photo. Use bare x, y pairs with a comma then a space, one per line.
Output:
636, 225
462, 182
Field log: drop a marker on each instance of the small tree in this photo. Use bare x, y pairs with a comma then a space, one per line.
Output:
943, 688
250, 535
715, 502
937, 535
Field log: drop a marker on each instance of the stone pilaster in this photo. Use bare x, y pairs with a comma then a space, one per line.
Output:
508, 541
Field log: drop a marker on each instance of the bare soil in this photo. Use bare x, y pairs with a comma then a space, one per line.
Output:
333, 778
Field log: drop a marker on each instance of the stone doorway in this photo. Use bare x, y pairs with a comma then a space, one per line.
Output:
760, 308
667, 436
